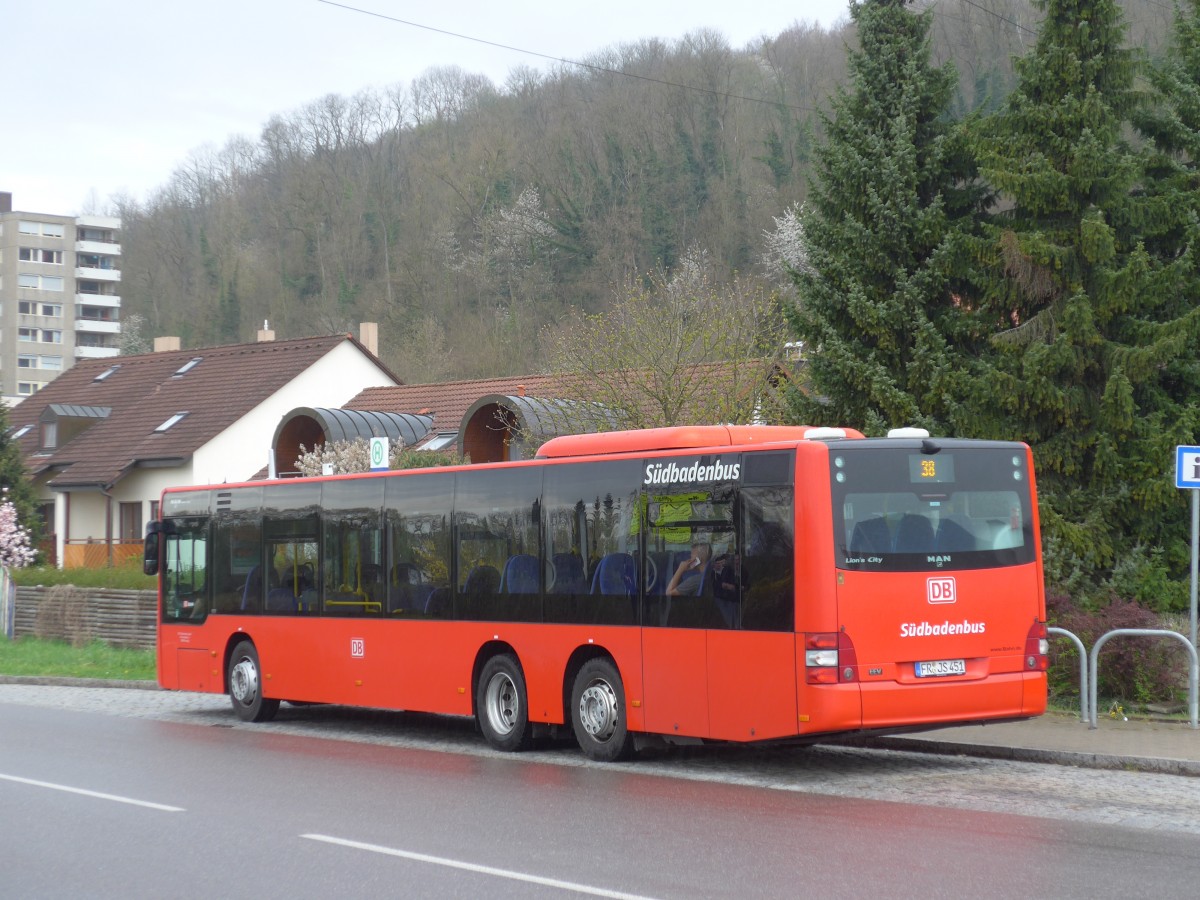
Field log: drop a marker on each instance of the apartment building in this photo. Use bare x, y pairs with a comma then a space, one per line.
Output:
60, 297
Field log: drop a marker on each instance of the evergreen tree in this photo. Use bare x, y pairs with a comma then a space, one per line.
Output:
876, 307
1091, 334
1171, 122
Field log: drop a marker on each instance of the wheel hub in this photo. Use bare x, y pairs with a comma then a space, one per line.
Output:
243, 682
501, 703
598, 710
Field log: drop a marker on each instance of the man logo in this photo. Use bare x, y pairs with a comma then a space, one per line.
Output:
941, 590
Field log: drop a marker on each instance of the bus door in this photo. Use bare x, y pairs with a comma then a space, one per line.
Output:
718, 641
185, 662
752, 656
939, 588
676, 551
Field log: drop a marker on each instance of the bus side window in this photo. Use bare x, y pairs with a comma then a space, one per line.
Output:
417, 513
496, 518
768, 559
238, 585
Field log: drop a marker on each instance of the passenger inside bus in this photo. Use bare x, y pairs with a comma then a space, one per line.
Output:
689, 575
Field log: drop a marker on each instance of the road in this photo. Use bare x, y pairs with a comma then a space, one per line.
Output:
113, 793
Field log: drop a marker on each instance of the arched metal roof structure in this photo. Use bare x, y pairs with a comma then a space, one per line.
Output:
310, 426
500, 427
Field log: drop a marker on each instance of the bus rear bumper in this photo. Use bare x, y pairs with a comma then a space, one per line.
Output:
1000, 697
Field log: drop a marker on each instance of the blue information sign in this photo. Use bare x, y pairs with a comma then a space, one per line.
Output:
1187, 467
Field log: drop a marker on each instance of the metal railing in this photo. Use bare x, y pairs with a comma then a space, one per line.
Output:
1193, 668
1083, 671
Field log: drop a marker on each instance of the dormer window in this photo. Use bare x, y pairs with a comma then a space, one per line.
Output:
61, 423
167, 425
188, 366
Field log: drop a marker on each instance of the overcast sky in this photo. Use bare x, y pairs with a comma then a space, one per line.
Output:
109, 96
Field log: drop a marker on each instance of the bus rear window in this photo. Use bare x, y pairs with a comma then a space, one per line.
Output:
901, 508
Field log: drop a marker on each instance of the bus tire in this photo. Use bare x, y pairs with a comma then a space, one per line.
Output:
598, 712
502, 704
245, 685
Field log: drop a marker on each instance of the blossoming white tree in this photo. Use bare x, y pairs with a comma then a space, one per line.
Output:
15, 552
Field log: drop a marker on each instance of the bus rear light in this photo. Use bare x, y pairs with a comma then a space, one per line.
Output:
1037, 648
829, 658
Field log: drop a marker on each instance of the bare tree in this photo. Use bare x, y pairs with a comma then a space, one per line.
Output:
675, 350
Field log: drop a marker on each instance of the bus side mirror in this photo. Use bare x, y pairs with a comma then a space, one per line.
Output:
150, 548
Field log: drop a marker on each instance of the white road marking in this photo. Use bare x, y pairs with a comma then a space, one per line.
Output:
96, 794
473, 867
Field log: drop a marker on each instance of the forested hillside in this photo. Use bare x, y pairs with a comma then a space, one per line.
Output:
464, 216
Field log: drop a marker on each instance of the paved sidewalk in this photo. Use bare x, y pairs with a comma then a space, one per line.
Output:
1137, 744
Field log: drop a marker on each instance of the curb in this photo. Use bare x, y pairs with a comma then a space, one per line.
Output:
59, 681
1107, 761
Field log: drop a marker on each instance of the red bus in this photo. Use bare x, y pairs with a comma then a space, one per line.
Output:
684, 585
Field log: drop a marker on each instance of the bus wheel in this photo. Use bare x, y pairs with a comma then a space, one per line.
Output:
245, 686
598, 712
501, 704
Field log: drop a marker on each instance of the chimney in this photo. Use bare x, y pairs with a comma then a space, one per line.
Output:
368, 336
265, 333
165, 344
5, 201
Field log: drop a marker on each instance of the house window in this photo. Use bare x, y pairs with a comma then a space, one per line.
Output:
40, 282
50, 336
443, 439
54, 363
27, 361
38, 255
46, 513
49, 434
170, 422
189, 365
52, 309
26, 307
27, 334
153, 510
25, 388
46, 229
131, 522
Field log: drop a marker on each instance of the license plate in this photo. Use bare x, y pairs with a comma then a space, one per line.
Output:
936, 667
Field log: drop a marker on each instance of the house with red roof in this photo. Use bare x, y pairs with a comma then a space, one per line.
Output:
103, 439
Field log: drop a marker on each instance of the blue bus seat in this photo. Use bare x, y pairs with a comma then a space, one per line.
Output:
914, 534
568, 574
520, 575
616, 575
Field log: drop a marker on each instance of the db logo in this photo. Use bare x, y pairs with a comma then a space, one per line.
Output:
357, 647
941, 590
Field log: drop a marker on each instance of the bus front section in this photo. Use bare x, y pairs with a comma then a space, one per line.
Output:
939, 586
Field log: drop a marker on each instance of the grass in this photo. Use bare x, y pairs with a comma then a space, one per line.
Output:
33, 656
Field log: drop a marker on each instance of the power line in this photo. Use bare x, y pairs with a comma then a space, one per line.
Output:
571, 62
